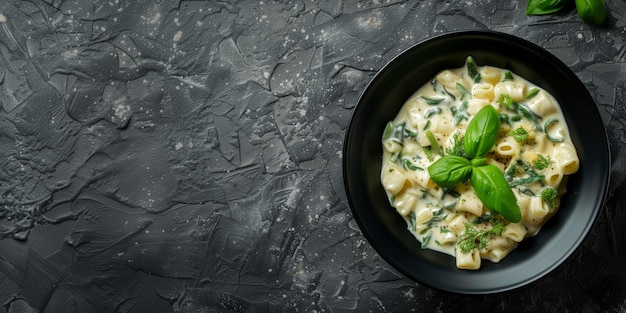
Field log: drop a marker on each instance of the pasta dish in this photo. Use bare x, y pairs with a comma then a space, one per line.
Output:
476, 161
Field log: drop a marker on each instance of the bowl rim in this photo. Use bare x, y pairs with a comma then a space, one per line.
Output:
602, 188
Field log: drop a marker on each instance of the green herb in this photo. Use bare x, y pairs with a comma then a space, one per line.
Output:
506, 101
450, 205
432, 101
532, 92
450, 170
509, 173
457, 148
505, 119
437, 87
394, 132
394, 157
549, 195
432, 111
481, 133
463, 91
472, 71
388, 131
444, 230
478, 161
519, 134
526, 190
529, 114
520, 108
508, 76
434, 145
412, 166
542, 162
591, 11
438, 216
494, 191
429, 152
450, 191
531, 175
485, 218
460, 113
426, 239
489, 184
412, 218
479, 239
427, 125
409, 133
540, 7
546, 127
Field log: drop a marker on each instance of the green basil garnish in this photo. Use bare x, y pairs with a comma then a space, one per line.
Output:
494, 191
481, 132
489, 184
591, 11
540, 7
450, 170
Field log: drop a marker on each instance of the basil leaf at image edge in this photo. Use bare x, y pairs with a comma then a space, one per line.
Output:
481, 132
495, 193
591, 11
541, 7
450, 170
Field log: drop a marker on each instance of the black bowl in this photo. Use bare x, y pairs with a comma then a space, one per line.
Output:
386, 230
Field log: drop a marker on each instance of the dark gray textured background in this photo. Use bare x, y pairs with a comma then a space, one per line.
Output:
185, 156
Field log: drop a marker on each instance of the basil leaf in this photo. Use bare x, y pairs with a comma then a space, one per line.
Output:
481, 132
591, 11
540, 7
495, 193
450, 170
478, 161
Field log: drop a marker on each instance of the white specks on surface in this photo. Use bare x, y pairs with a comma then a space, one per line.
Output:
177, 36
121, 109
70, 54
154, 19
237, 117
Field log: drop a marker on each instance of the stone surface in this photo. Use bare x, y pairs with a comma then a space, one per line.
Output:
185, 156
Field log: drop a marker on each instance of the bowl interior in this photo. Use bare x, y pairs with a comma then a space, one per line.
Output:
381, 101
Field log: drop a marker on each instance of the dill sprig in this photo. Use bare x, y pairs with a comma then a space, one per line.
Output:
473, 238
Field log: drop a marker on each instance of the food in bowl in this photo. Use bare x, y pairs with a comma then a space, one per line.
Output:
477, 160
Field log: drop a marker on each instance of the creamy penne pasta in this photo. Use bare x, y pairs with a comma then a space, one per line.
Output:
533, 151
